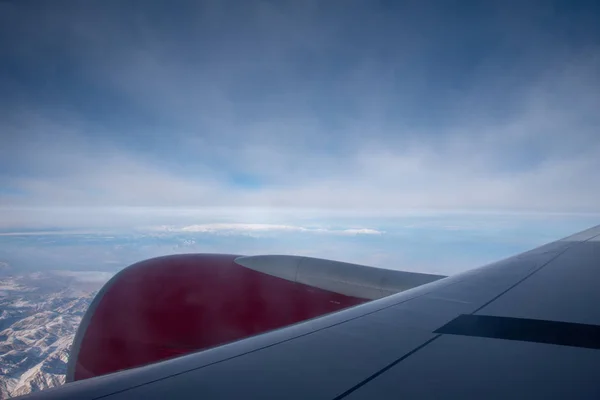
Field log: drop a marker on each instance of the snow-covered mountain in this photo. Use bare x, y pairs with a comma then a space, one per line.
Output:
39, 315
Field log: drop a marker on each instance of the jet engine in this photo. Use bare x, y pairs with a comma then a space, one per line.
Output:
174, 305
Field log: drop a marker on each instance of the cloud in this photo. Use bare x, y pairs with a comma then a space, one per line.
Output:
315, 108
256, 229
86, 276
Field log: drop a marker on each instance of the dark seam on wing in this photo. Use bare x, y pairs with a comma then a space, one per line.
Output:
525, 330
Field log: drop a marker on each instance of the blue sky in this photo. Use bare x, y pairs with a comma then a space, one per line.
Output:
313, 114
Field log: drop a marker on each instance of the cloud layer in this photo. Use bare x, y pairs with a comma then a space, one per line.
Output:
257, 229
299, 106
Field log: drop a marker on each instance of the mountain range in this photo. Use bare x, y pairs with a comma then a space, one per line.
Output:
39, 315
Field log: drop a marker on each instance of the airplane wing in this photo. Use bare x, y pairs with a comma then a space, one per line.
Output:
524, 327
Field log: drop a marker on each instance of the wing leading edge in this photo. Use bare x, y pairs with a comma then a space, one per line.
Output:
504, 318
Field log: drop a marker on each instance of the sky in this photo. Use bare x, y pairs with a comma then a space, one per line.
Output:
329, 128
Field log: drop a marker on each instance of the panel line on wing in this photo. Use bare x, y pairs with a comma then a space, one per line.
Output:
386, 368
529, 275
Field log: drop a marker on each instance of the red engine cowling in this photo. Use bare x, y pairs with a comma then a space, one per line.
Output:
169, 306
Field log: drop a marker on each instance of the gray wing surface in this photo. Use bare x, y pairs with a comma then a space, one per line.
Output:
525, 327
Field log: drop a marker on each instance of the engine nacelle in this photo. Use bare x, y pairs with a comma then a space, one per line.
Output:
174, 305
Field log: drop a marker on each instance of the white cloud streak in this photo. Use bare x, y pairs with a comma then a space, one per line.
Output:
257, 229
